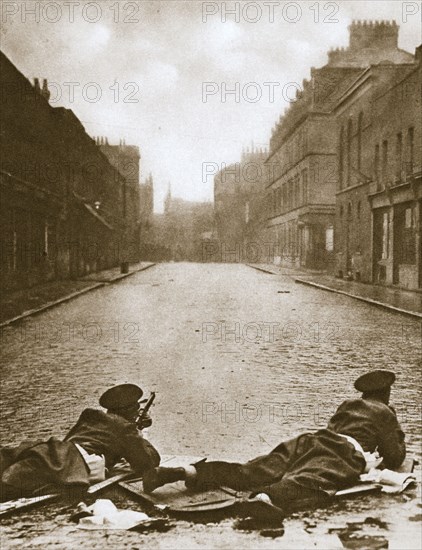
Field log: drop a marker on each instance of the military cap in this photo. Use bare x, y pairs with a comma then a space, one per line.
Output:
123, 396
376, 380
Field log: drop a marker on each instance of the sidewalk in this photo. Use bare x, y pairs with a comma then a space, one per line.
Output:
21, 303
402, 301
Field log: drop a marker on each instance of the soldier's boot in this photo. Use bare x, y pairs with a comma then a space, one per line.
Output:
157, 477
260, 507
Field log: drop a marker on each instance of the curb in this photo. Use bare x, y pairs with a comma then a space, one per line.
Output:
124, 275
383, 305
292, 273
263, 269
69, 297
49, 305
120, 276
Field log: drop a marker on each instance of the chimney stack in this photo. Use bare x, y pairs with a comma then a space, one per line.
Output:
45, 92
373, 34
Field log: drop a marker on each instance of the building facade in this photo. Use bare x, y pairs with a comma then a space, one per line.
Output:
147, 218
240, 209
61, 200
396, 197
377, 228
126, 160
304, 156
181, 231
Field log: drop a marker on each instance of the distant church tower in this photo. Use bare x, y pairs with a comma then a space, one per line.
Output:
167, 200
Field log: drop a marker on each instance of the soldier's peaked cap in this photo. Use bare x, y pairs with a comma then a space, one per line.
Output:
376, 380
119, 397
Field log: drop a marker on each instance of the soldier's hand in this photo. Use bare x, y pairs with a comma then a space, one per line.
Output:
120, 467
144, 422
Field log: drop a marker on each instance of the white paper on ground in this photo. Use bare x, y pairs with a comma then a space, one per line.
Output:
107, 516
392, 482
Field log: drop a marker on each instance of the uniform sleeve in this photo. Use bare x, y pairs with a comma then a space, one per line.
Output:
392, 446
139, 452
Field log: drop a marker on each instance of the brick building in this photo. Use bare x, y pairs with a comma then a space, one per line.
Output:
303, 158
240, 209
126, 159
396, 201
61, 201
377, 228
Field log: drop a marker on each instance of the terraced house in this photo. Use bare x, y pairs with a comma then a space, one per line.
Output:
310, 171
378, 235
63, 205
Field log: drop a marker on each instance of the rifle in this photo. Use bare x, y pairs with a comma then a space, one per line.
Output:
144, 412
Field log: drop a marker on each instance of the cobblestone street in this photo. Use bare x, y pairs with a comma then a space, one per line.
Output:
240, 360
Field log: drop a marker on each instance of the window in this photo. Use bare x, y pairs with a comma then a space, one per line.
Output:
9, 240
399, 156
349, 151
305, 186
290, 240
385, 235
341, 158
289, 195
329, 239
409, 237
408, 218
384, 167
284, 241
377, 166
296, 183
294, 242
410, 150
360, 123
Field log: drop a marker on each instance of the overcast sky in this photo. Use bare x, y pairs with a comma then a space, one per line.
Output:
159, 53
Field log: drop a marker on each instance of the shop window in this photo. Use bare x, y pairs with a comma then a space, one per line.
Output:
408, 218
409, 237
385, 235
